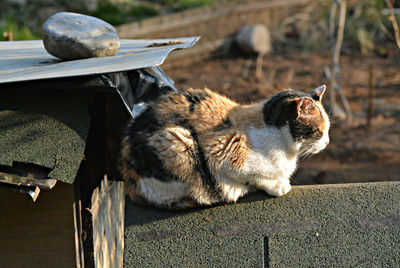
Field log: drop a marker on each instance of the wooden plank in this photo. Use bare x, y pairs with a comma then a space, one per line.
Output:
108, 205
39, 234
26, 181
77, 207
90, 174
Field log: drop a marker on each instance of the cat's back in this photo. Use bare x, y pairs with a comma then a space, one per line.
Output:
198, 109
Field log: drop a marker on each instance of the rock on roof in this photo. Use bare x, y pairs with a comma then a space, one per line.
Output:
28, 60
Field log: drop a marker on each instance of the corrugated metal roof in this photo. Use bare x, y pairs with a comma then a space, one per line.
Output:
28, 60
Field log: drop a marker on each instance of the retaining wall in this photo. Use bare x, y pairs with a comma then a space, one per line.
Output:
348, 225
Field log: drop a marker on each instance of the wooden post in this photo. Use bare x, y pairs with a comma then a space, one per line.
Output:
392, 18
336, 45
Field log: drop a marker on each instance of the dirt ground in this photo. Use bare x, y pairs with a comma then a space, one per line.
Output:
355, 153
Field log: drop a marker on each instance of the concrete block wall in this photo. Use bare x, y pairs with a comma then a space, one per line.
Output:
348, 225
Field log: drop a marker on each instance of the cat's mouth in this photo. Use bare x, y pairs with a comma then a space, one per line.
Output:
313, 148
319, 147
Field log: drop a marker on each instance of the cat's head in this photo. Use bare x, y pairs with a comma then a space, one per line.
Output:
303, 114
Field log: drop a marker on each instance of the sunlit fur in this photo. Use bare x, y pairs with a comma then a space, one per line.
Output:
199, 148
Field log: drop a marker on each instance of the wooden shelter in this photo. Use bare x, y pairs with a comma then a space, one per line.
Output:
60, 130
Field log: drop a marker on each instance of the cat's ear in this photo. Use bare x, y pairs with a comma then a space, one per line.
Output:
304, 107
318, 92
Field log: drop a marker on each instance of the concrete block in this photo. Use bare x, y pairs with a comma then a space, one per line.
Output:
349, 225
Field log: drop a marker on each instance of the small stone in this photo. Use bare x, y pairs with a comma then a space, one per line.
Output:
207, 219
254, 39
70, 36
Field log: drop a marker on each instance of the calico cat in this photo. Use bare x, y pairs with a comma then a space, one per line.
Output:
199, 148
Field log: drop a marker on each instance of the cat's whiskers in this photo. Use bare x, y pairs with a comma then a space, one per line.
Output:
306, 151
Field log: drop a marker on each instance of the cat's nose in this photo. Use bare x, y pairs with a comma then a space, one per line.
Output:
327, 142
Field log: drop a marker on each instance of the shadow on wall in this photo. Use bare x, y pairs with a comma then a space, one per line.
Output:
139, 215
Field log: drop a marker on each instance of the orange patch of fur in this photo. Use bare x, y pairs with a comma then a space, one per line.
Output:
174, 145
243, 116
239, 152
211, 112
230, 147
314, 116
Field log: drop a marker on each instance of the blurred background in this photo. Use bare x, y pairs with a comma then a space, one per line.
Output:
351, 46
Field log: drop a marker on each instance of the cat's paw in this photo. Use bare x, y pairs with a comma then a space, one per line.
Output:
280, 188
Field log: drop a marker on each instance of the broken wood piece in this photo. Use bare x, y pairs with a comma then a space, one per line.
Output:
108, 210
26, 181
32, 191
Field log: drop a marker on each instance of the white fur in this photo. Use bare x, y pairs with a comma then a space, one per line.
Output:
273, 153
163, 192
275, 187
272, 159
324, 141
321, 143
270, 163
232, 191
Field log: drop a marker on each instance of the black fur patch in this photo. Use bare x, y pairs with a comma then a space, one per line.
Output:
201, 165
281, 110
302, 131
195, 97
226, 124
132, 182
143, 158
